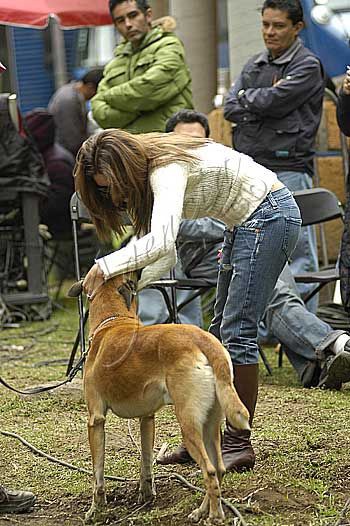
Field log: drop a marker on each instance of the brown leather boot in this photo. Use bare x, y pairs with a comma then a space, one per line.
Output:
179, 456
237, 451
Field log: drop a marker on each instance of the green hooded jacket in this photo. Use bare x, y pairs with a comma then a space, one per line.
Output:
141, 88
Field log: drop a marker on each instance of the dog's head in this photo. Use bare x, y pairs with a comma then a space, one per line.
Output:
125, 285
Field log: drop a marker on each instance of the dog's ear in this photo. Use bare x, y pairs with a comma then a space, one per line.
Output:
76, 289
127, 291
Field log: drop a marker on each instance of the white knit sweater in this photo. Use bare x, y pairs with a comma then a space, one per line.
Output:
223, 184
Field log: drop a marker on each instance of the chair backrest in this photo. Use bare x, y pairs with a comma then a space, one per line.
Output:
78, 210
80, 213
318, 205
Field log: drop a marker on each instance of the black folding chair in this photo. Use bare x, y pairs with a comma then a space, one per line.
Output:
79, 214
317, 207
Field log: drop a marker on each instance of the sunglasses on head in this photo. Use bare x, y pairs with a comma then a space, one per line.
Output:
104, 191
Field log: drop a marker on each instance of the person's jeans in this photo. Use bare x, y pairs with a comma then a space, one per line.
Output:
305, 257
253, 256
298, 330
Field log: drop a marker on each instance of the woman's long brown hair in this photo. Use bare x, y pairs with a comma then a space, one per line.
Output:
126, 161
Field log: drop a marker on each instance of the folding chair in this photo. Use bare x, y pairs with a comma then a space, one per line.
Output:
79, 214
317, 207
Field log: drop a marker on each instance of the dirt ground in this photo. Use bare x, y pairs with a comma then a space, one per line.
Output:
301, 438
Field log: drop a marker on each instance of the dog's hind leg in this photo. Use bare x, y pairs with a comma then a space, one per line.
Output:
192, 432
212, 442
96, 434
147, 490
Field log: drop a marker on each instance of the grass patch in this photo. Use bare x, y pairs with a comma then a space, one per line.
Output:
301, 437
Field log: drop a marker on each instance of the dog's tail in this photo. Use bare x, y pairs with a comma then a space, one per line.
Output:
220, 361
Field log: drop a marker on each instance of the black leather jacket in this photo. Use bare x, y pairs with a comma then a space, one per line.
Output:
277, 105
343, 118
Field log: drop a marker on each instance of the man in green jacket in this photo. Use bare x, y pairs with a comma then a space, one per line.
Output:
148, 79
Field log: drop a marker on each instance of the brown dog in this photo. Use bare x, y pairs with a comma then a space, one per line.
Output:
135, 370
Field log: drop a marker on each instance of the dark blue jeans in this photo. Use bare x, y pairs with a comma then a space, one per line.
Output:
253, 257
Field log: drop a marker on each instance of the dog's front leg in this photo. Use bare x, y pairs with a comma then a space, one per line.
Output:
96, 433
147, 490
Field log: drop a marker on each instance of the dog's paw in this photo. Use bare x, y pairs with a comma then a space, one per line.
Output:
214, 520
143, 498
95, 515
147, 492
196, 515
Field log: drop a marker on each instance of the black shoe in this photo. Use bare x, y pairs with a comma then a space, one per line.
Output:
336, 371
15, 501
310, 375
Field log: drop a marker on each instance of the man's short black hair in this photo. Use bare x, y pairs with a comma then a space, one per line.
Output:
293, 8
93, 76
187, 116
143, 5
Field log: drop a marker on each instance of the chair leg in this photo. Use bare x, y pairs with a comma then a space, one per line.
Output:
265, 361
280, 356
78, 339
191, 298
171, 318
174, 298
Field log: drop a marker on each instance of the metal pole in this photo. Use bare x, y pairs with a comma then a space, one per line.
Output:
58, 52
11, 66
160, 8
197, 29
80, 297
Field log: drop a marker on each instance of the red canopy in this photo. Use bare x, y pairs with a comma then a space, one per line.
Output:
70, 13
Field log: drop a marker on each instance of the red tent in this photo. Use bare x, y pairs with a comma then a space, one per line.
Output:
70, 13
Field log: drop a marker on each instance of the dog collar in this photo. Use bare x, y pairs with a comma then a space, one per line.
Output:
103, 323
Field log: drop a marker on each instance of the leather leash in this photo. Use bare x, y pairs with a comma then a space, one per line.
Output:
73, 372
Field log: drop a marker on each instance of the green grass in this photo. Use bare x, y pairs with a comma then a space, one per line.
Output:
301, 437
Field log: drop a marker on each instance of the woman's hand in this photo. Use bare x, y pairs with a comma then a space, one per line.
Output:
346, 82
94, 280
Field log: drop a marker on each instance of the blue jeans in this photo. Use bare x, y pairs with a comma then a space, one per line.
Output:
299, 330
253, 256
305, 256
